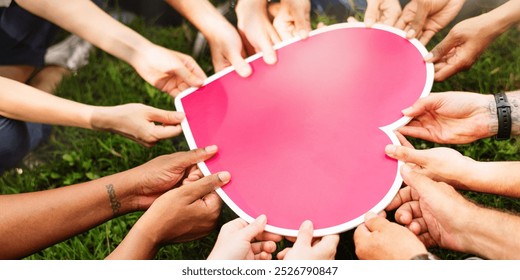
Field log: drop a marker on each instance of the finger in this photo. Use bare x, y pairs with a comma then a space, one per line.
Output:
166, 131
361, 233
328, 243
406, 154
403, 140
164, 116
352, 20
305, 234
263, 246
212, 201
187, 159
189, 77
281, 254
418, 226
426, 37
416, 26
443, 48
415, 180
446, 72
255, 228
375, 223
263, 256
302, 22
321, 25
372, 12
241, 66
196, 190
417, 132
268, 236
406, 213
403, 196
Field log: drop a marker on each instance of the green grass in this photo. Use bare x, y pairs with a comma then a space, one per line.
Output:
76, 155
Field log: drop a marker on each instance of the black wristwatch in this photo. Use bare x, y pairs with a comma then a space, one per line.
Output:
504, 116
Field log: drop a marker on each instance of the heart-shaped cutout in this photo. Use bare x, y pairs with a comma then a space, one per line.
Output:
304, 139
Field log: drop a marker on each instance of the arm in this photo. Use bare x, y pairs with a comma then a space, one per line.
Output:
167, 70
440, 216
134, 121
458, 117
30, 222
226, 46
182, 214
468, 39
449, 166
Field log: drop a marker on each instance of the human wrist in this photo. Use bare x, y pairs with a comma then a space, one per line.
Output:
425, 256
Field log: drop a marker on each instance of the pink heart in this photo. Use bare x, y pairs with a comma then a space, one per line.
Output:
304, 139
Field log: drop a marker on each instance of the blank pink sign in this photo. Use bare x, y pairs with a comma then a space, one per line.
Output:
304, 139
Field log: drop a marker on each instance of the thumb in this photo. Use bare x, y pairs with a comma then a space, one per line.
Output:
164, 116
305, 234
406, 154
255, 228
415, 180
374, 222
198, 189
187, 159
302, 23
371, 13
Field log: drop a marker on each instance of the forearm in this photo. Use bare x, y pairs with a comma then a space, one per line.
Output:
25, 103
202, 14
84, 18
492, 234
33, 221
137, 245
500, 178
505, 16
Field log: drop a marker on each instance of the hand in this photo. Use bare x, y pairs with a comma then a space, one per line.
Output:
382, 11
163, 173
307, 248
379, 239
452, 118
422, 19
439, 164
226, 49
137, 122
465, 42
256, 30
167, 70
235, 241
434, 211
293, 19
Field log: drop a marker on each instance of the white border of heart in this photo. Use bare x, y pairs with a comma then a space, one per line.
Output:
389, 130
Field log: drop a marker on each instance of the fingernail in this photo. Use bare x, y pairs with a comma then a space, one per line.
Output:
303, 34
407, 111
211, 149
390, 150
428, 57
262, 218
270, 58
245, 71
369, 22
179, 115
370, 215
224, 176
410, 34
307, 225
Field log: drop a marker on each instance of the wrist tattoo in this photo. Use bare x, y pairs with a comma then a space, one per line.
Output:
514, 100
112, 198
493, 118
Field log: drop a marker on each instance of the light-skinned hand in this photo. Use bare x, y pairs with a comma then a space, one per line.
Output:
434, 211
308, 248
293, 19
138, 122
382, 11
422, 19
452, 118
239, 240
167, 70
379, 239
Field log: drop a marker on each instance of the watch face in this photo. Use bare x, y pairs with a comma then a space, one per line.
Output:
304, 139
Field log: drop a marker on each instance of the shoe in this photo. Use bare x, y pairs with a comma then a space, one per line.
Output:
72, 53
